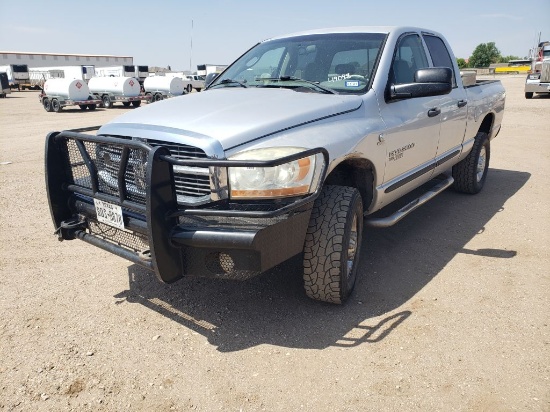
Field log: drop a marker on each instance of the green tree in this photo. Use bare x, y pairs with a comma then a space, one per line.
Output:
461, 63
484, 54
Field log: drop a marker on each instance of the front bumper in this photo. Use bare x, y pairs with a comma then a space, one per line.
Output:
218, 240
535, 86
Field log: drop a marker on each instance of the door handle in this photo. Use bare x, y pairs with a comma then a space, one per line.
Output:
462, 103
434, 112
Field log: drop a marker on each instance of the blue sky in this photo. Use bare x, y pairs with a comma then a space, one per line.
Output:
159, 32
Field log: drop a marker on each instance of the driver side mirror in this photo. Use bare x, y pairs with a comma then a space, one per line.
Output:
431, 81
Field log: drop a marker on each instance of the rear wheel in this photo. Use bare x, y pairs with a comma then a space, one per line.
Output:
56, 106
126, 104
158, 97
107, 103
47, 104
528, 95
83, 106
470, 173
136, 103
333, 244
92, 106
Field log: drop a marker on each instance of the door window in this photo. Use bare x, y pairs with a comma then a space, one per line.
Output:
408, 58
440, 54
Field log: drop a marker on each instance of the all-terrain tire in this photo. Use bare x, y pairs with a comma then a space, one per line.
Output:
333, 244
470, 173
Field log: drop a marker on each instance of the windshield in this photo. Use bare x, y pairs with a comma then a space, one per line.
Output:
339, 62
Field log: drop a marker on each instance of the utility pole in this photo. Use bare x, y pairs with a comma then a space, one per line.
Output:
191, 53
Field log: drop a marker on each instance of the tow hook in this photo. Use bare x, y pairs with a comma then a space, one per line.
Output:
68, 227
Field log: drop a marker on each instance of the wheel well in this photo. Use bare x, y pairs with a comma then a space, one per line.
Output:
487, 124
358, 173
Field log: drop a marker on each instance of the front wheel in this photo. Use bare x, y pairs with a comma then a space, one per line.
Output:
333, 244
470, 173
189, 88
528, 95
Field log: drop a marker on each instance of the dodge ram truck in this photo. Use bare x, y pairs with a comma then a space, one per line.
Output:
298, 147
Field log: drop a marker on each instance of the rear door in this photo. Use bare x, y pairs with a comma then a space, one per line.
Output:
453, 105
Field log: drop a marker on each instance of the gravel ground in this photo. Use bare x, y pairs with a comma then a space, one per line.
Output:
451, 313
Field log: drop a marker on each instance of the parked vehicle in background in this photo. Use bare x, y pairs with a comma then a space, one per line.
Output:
157, 88
18, 75
514, 67
291, 151
59, 93
4, 85
38, 75
110, 90
141, 73
194, 81
190, 81
538, 81
116, 71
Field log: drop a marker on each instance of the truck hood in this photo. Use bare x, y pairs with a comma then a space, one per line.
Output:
231, 116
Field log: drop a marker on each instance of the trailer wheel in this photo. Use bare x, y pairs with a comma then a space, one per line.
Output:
528, 95
47, 104
126, 104
149, 97
107, 103
56, 106
92, 106
136, 103
158, 97
83, 106
333, 244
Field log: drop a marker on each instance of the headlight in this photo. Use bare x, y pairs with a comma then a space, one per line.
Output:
295, 178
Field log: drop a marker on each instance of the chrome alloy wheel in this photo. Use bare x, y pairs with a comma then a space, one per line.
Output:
481, 162
352, 246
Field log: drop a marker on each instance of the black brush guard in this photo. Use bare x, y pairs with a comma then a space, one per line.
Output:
169, 246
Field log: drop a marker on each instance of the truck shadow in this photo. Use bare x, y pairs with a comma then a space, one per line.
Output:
397, 262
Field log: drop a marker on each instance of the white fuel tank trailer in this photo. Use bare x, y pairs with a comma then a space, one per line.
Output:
120, 86
71, 89
166, 85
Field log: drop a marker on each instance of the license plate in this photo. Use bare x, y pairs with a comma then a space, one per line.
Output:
109, 214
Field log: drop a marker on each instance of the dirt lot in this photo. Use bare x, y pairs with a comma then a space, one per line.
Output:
452, 312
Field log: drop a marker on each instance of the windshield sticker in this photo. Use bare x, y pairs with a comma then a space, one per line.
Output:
352, 83
340, 77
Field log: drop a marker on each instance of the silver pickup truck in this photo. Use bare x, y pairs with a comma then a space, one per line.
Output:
296, 147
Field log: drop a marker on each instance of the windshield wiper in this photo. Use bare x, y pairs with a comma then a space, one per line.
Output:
299, 80
230, 81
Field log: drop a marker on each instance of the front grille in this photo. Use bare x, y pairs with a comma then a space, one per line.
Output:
192, 184
545, 72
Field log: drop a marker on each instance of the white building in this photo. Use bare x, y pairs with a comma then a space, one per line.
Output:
32, 59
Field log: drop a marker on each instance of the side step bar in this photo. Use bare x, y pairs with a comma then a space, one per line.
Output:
408, 208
